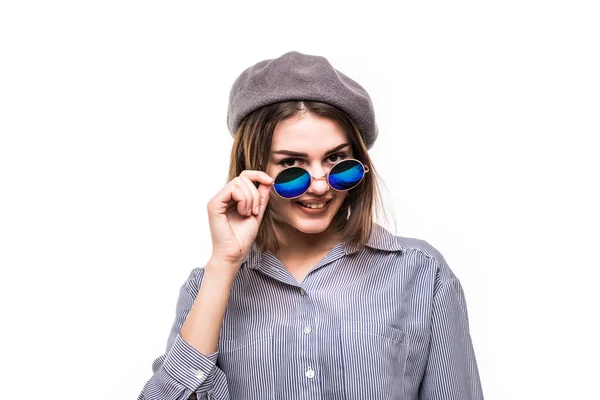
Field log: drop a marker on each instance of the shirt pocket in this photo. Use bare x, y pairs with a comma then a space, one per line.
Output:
247, 363
374, 359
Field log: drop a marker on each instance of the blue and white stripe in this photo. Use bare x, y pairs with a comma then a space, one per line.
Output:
386, 322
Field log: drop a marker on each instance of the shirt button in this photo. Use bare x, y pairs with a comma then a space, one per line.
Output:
302, 292
310, 373
199, 374
307, 329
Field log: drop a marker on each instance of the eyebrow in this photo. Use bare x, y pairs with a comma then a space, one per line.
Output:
296, 154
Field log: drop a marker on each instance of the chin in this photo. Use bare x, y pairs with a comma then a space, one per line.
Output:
310, 227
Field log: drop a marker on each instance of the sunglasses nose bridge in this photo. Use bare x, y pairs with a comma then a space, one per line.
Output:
315, 186
317, 171
318, 179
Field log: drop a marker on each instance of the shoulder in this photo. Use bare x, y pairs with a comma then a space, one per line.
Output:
410, 249
194, 280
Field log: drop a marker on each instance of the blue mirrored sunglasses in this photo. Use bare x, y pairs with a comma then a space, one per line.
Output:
344, 175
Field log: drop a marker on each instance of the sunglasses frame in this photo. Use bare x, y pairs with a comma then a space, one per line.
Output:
365, 169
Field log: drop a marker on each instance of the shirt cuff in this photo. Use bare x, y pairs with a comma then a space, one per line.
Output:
187, 365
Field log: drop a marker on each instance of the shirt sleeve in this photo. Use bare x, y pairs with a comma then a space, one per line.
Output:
451, 372
183, 370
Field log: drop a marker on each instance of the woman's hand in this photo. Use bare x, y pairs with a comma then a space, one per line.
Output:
234, 216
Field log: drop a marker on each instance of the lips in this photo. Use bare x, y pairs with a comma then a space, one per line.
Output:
314, 205
315, 212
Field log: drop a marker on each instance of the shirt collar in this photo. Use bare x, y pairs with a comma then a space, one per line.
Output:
380, 239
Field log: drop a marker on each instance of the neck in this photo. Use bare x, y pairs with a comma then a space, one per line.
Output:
292, 241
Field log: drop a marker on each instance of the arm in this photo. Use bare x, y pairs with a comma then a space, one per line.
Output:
190, 362
451, 372
188, 367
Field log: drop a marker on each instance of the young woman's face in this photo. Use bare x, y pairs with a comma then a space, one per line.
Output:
316, 144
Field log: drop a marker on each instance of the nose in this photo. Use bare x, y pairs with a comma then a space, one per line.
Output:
318, 184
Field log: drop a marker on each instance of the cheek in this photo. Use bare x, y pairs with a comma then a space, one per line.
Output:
339, 201
277, 202
271, 169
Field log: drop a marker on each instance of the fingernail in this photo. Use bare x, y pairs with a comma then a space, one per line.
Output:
256, 210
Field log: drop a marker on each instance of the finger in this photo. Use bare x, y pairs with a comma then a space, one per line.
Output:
264, 191
265, 182
229, 195
255, 205
257, 176
264, 201
244, 207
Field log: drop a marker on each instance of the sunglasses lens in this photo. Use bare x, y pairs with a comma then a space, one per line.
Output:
346, 174
291, 182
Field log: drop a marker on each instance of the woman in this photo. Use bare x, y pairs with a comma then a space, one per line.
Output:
304, 297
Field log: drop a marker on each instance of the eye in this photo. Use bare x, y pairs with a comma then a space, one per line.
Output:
288, 162
336, 157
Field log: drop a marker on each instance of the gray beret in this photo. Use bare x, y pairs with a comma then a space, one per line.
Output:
297, 76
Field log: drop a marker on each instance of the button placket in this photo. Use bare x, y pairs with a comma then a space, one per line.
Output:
306, 317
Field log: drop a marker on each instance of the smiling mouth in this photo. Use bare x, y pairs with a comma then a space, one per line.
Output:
313, 206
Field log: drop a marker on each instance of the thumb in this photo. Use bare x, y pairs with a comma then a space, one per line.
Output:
264, 193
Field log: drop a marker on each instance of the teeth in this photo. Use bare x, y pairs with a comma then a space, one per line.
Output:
314, 205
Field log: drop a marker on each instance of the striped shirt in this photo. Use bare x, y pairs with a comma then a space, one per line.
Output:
386, 322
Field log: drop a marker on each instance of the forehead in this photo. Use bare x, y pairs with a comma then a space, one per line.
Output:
307, 133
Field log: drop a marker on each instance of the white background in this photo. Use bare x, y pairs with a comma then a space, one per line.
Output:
114, 137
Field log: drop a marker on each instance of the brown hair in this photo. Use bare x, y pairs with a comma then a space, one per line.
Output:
251, 150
